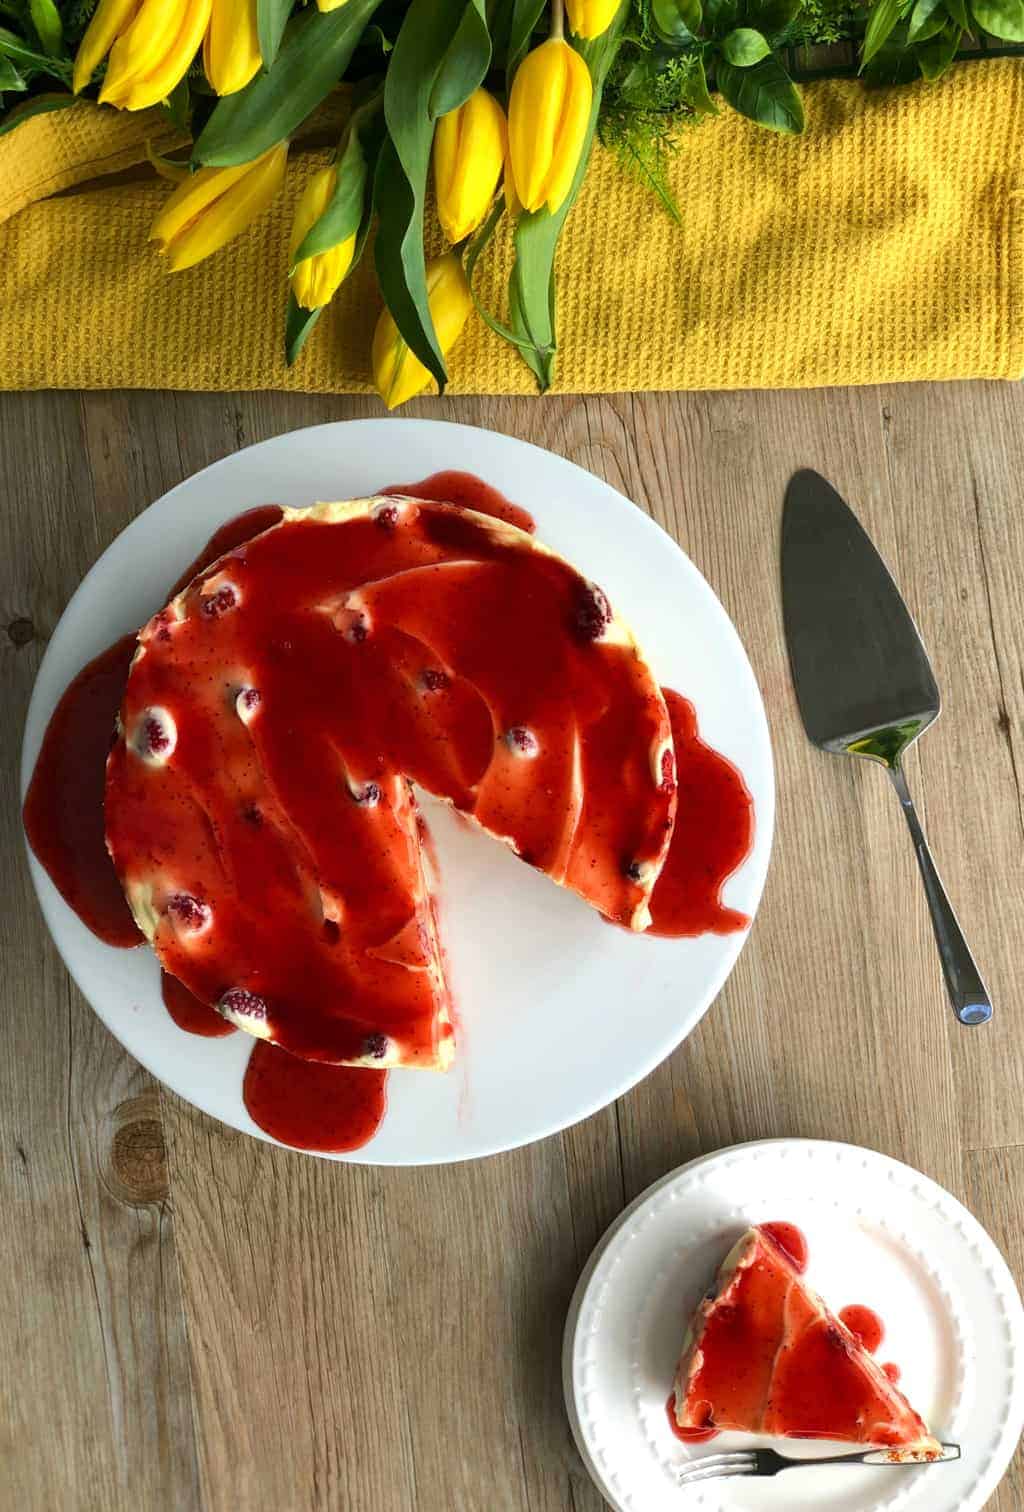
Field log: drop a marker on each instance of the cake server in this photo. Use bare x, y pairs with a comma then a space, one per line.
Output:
863, 680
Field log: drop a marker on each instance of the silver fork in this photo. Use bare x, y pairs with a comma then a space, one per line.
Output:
764, 1462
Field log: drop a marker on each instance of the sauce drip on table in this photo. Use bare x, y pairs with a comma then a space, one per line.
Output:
305, 1104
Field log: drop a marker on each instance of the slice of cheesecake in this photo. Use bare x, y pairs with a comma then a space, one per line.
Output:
259, 807
764, 1355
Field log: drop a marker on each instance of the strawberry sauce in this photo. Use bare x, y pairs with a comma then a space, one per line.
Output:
468, 492
713, 833
191, 1013
865, 1325
300, 1102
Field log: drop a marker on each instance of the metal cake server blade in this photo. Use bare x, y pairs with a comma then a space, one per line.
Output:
863, 680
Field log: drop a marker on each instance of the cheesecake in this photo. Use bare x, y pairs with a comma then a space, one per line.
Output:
280, 714
764, 1355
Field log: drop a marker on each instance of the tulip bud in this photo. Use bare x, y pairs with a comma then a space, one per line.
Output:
548, 119
315, 279
397, 372
151, 46
591, 18
215, 205
231, 48
469, 154
329, 5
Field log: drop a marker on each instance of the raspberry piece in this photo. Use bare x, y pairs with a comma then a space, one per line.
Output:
220, 602
593, 613
434, 680
239, 1002
521, 741
189, 912
376, 1045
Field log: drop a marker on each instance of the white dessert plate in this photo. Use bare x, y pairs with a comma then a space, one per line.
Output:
880, 1234
558, 1013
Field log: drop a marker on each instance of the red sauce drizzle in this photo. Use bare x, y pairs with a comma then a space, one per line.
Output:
865, 1325
893, 1372
311, 1106
687, 1435
63, 813
790, 1240
713, 833
468, 492
191, 1013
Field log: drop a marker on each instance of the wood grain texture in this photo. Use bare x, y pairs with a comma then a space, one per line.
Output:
194, 1320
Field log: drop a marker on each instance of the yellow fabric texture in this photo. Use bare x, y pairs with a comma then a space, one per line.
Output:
883, 245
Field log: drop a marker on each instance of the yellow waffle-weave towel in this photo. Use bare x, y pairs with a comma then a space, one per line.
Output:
885, 244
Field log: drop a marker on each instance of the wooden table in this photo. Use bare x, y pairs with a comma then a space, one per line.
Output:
191, 1318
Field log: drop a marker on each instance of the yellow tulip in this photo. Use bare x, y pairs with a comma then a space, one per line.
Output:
231, 47
315, 280
215, 205
328, 5
548, 117
397, 372
591, 18
469, 154
153, 45
109, 20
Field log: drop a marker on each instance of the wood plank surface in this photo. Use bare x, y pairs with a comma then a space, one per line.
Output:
195, 1320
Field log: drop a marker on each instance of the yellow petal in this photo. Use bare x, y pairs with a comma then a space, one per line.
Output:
231, 48
109, 20
469, 154
311, 205
591, 18
232, 213
572, 128
191, 198
398, 373
329, 5
141, 45
174, 65
316, 279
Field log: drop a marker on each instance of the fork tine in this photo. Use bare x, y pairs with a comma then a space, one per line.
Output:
718, 1466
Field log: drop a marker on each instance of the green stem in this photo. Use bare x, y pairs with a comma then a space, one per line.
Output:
558, 20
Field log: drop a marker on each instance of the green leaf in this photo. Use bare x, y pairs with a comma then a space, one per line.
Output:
178, 105
315, 52
926, 20
465, 64
936, 55
48, 26
721, 16
436, 64
10, 78
298, 323
38, 105
763, 93
771, 16
677, 21
532, 283
271, 19
700, 95
343, 213
882, 19
958, 11
12, 46
744, 47
1001, 18
525, 16
895, 62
